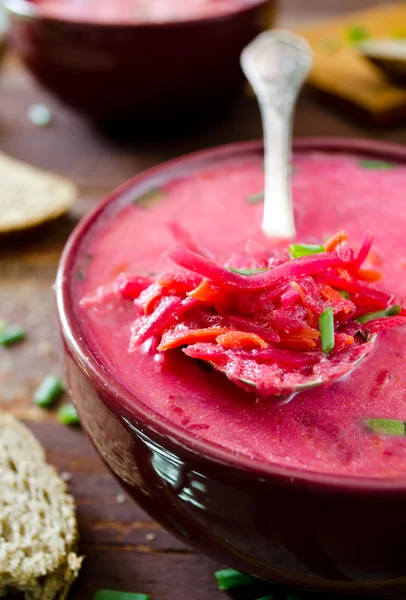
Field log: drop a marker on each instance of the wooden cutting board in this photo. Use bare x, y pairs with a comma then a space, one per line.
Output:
344, 76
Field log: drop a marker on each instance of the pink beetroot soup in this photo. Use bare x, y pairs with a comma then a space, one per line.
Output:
139, 11
320, 430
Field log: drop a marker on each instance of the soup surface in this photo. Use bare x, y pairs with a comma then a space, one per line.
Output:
320, 430
139, 11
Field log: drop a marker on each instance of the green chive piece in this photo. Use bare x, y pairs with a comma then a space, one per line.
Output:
227, 579
357, 33
382, 165
326, 327
247, 271
256, 198
298, 250
344, 294
48, 392
11, 335
3, 325
392, 311
67, 415
113, 595
151, 197
390, 427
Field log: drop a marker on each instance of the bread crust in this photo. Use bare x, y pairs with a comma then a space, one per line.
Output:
38, 526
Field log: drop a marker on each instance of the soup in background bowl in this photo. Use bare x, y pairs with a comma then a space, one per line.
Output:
162, 60
299, 492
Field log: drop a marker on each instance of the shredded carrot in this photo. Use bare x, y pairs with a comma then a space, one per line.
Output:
173, 339
369, 275
345, 274
336, 240
240, 339
205, 292
336, 299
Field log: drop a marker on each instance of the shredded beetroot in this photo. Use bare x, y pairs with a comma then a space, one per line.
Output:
260, 318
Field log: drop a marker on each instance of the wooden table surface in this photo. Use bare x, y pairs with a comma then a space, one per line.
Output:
124, 548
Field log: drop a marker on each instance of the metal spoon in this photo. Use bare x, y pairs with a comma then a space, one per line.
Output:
276, 63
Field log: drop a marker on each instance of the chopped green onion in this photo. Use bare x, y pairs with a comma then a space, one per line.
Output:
3, 325
227, 579
376, 165
256, 198
298, 250
151, 197
326, 326
386, 427
392, 311
113, 595
357, 33
11, 335
247, 271
344, 294
48, 392
67, 415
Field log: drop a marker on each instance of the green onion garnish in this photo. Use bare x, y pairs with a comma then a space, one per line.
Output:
376, 165
227, 579
67, 415
3, 325
344, 294
386, 427
298, 250
48, 392
113, 595
151, 197
11, 335
247, 271
256, 198
357, 33
392, 311
326, 327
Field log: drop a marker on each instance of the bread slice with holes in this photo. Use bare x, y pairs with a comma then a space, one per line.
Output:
38, 528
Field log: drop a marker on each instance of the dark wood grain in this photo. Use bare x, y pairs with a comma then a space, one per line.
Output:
124, 548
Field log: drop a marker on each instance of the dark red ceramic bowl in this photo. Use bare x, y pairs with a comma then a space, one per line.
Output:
168, 70
309, 530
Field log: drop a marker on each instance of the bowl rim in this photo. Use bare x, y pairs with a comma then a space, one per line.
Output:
28, 10
84, 357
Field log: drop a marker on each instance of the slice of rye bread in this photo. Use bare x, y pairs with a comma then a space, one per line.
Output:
30, 196
38, 528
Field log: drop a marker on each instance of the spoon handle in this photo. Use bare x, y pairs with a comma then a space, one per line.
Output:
276, 64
